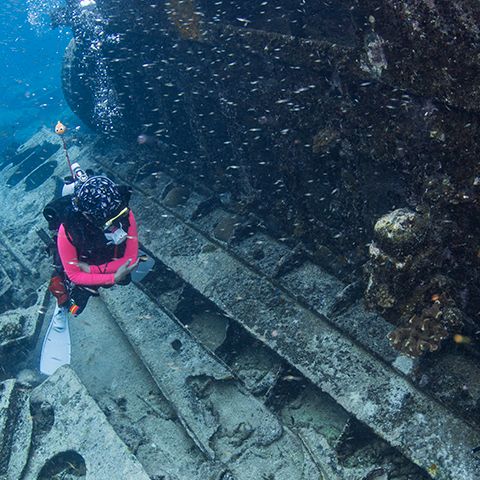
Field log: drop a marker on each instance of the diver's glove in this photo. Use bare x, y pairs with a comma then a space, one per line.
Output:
124, 271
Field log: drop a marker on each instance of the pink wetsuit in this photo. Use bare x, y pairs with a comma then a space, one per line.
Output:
99, 274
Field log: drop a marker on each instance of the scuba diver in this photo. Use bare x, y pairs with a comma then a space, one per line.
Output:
95, 245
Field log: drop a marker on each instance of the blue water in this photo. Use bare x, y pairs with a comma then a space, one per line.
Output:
31, 56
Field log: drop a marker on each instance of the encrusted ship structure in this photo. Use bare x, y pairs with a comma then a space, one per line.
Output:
306, 176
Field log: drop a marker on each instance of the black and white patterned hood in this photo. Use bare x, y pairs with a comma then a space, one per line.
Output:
99, 197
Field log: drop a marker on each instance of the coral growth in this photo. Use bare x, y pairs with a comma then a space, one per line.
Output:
186, 19
400, 230
426, 331
323, 139
404, 277
375, 60
403, 259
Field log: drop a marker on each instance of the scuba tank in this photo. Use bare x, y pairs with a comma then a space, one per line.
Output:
78, 175
56, 210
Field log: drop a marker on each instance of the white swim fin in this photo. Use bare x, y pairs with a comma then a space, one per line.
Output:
56, 344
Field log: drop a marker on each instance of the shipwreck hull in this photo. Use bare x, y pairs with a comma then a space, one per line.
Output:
315, 119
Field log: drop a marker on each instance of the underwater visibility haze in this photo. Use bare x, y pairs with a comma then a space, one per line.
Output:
240, 240
31, 54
